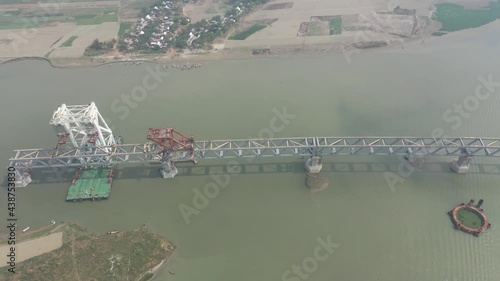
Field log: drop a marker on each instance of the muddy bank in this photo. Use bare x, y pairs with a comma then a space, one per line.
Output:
197, 56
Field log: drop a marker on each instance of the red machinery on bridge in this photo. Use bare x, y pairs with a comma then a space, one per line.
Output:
62, 138
171, 139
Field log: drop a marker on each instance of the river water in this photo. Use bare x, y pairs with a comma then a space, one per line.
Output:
264, 220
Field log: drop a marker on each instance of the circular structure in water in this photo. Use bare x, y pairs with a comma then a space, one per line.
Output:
469, 219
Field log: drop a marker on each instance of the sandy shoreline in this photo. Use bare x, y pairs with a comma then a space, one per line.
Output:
160, 267
422, 42
224, 55
32, 248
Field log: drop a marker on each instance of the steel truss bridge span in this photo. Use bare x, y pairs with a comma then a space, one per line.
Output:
245, 148
313, 147
85, 140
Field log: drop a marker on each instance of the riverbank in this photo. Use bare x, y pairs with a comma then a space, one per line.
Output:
71, 253
33, 243
374, 28
204, 56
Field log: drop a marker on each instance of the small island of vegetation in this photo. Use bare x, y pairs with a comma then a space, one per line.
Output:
130, 255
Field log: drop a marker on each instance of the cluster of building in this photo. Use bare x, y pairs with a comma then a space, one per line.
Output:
157, 28
164, 26
204, 32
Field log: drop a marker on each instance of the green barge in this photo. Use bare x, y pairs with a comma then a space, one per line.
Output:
91, 184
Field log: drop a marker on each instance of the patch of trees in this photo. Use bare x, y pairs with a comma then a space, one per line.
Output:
100, 47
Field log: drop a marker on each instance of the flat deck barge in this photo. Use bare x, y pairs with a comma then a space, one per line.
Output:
91, 184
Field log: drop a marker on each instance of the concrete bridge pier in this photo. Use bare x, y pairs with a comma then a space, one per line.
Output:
461, 165
168, 169
314, 165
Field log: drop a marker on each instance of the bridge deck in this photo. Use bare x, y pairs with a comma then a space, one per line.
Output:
245, 148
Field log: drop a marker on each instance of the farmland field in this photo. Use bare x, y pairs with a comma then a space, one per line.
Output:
69, 42
247, 33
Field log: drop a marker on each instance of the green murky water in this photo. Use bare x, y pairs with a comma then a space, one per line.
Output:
264, 220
